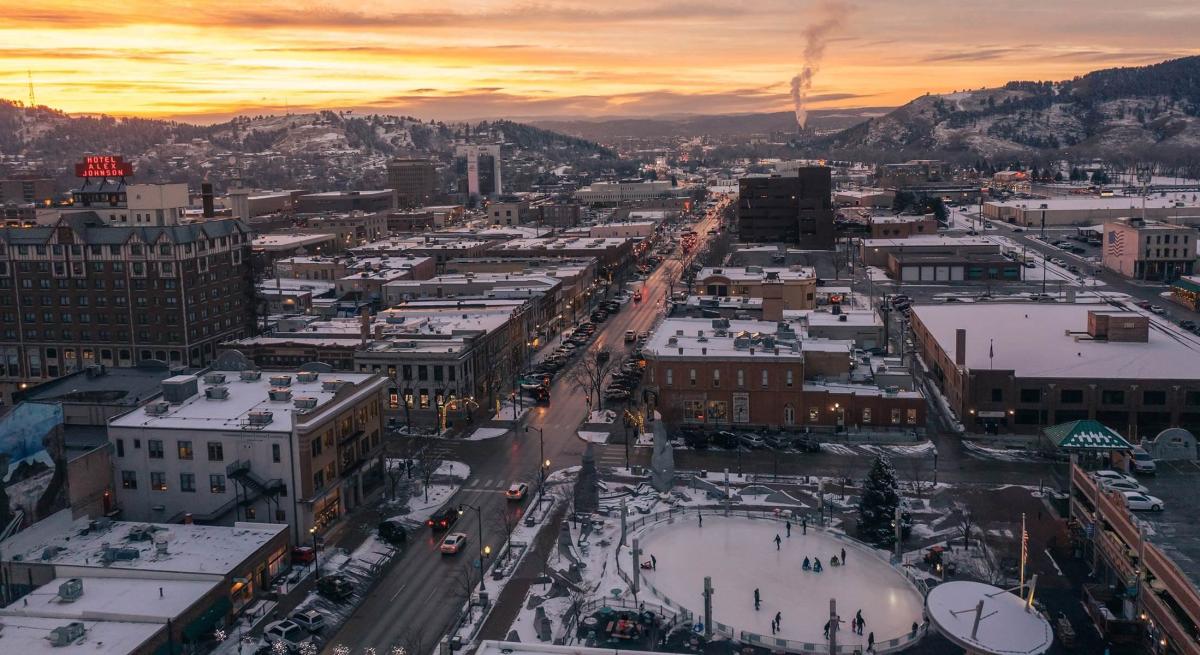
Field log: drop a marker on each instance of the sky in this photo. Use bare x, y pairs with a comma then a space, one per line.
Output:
206, 60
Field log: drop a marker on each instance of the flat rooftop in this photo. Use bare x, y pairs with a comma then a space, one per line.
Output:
28, 636
1039, 341
191, 549
928, 240
347, 194
855, 317
559, 243
1153, 201
757, 273
122, 598
697, 337
285, 241
115, 386
245, 396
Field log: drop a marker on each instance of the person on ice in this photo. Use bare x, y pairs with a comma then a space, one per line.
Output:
827, 629
777, 542
757, 600
871, 642
778, 618
816, 565
789, 529
859, 620
833, 561
843, 556
804, 525
807, 565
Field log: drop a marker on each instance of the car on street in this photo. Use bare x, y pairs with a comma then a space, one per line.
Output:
752, 441
1018, 229
516, 491
616, 395
630, 336
453, 543
285, 632
1155, 309
1142, 502
1106, 475
637, 296
1142, 461
310, 620
442, 519
1030, 265
1187, 325
1123, 485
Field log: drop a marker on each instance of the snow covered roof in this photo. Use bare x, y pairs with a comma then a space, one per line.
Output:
1050, 341
757, 273
115, 599
518, 648
1005, 629
29, 636
928, 240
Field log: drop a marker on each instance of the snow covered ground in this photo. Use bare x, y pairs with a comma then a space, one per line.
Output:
740, 555
510, 412
594, 437
481, 434
602, 416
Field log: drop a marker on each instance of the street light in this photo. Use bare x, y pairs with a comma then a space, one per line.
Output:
316, 558
483, 550
543, 463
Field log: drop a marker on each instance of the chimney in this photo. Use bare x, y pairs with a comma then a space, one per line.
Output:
206, 198
960, 347
366, 326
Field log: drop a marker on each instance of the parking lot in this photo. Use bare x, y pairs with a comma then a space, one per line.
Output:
1175, 529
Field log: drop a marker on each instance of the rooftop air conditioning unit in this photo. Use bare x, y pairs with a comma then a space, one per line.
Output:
251, 376
214, 378
70, 591
65, 635
280, 394
307, 376
672, 341
260, 417
281, 380
332, 385
305, 402
216, 393
158, 408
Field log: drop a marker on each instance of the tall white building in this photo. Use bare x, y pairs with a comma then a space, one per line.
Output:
483, 169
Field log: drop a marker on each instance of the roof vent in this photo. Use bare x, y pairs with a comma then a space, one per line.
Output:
216, 393
251, 376
305, 402
260, 417
307, 376
672, 341
702, 339
214, 378
158, 408
280, 394
281, 380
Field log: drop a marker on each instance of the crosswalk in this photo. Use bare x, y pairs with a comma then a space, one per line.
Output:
489, 484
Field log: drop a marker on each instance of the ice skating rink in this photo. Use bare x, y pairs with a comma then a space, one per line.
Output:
739, 554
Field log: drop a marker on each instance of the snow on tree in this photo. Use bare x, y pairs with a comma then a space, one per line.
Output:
877, 507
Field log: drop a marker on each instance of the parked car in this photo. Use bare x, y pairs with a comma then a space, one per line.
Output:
303, 554
1140, 502
1142, 461
442, 519
1124, 485
310, 620
335, 587
726, 439
285, 632
392, 531
1155, 309
630, 336
1109, 474
517, 491
1030, 265
750, 440
453, 543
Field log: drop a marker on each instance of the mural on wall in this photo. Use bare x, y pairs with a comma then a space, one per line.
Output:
33, 465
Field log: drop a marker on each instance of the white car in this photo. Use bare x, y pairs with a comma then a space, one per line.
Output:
1109, 474
517, 491
1138, 502
453, 543
1142, 461
1123, 486
287, 632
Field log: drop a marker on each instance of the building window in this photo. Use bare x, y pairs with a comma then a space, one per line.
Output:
670, 378
1071, 396
275, 453
1031, 395
187, 482
154, 448
997, 395
216, 451
128, 479
814, 414
789, 415
1150, 397
866, 416
692, 376
216, 483
1112, 397
741, 378
318, 480
895, 417
185, 449
789, 377
120, 447
158, 481
766, 378
912, 417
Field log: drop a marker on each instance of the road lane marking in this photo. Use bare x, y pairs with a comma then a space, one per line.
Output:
393, 598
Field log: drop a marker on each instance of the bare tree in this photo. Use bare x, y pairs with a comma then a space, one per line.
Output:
462, 586
591, 371
916, 466
395, 476
966, 523
505, 519
430, 463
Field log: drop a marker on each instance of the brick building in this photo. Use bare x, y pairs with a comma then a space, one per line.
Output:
81, 292
796, 209
1149, 250
415, 181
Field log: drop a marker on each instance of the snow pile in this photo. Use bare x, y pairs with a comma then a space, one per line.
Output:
602, 416
481, 434
837, 449
594, 437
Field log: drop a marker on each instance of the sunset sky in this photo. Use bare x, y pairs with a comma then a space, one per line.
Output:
482, 58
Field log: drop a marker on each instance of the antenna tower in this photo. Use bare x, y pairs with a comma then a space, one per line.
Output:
32, 101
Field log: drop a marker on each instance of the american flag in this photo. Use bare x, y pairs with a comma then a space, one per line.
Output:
1116, 243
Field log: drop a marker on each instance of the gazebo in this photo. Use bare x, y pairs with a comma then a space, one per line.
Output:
1085, 439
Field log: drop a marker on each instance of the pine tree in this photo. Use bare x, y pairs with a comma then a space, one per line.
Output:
877, 507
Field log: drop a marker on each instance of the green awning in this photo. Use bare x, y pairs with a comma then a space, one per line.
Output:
206, 622
1085, 434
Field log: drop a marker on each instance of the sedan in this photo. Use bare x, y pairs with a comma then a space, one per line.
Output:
752, 441
1107, 475
1124, 486
1138, 502
453, 543
517, 491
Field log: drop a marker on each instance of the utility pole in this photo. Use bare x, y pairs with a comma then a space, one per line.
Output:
636, 553
33, 101
708, 594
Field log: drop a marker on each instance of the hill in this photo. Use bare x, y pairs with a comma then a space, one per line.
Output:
1149, 113
605, 130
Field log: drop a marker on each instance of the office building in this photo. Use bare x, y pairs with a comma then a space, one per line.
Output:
82, 292
791, 209
1177, 207
415, 181
343, 202
780, 288
1149, 250
615, 193
30, 190
479, 168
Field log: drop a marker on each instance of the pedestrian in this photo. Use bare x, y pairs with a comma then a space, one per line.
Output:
858, 622
807, 565
654, 562
778, 618
700, 519
772, 627
862, 625
843, 556
915, 627
827, 629
757, 600
804, 525
870, 642
777, 542
789, 529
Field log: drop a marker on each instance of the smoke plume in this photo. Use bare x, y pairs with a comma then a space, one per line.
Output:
830, 16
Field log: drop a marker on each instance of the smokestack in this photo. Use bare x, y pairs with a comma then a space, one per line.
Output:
960, 347
206, 198
830, 15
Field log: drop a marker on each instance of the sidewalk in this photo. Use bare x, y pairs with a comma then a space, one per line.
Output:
512, 599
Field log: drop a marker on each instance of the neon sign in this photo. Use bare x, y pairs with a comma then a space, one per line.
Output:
103, 166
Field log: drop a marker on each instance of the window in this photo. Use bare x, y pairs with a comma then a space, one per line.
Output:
895, 417
275, 453
1112, 397
185, 449
766, 378
912, 417
814, 414
1071, 396
158, 481
789, 415
318, 480
741, 378
1031, 395
187, 482
716, 377
670, 378
997, 395
216, 451
866, 416
154, 448
1154, 397
692, 376
216, 483
316, 446
120, 447
129, 479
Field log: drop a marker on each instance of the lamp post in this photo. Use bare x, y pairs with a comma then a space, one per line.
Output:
483, 550
316, 557
542, 461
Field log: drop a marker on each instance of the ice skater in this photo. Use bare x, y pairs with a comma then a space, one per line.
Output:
804, 525
654, 562
757, 599
807, 565
833, 561
789, 529
859, 620
700, 519
827, 629
772, 627
870, 642
778, 619
843, 556
817, 568
915, 627
778, 541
